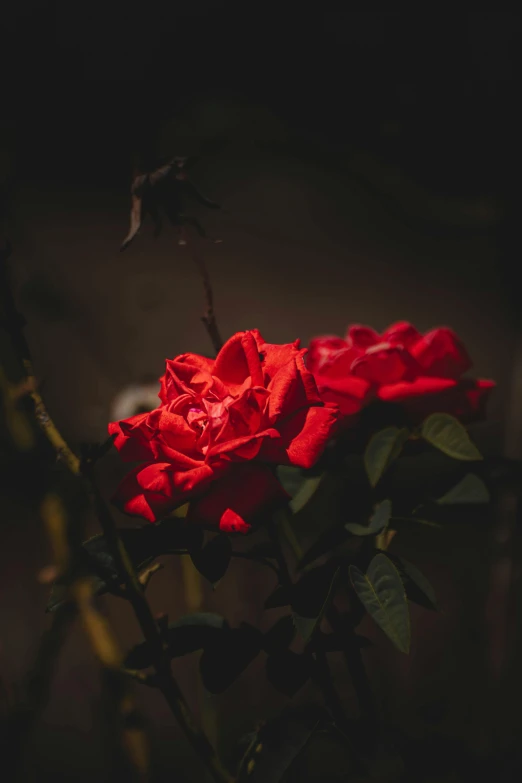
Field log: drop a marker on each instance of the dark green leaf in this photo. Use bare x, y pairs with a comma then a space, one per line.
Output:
382, 593
280, 635
291, 478
305, 492
447, 434
288, 672
310, 599
281, 596
186, 635
213, 559
227, 655
327, 542
278, 743
263, 549
378, 521
333, 642
384, 447
418, 588
470, 490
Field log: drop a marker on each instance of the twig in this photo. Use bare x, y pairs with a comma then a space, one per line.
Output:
14, 324
38, 685
149, 627
100, 636
322, 673
209, 317
351, 649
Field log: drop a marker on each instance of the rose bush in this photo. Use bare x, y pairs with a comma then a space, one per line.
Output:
421, 373
220, 425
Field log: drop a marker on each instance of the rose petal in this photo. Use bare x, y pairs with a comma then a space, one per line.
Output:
151, 491
291, 388
235, 501
239, 360
349, 393
303, 437
440, 353
464, 399
361, 337
246, 447
132, 438
321, 350
401, 333
385, 363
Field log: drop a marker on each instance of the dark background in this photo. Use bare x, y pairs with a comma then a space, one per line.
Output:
368, 167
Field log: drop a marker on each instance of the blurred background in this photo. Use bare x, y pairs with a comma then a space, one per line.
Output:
368, 169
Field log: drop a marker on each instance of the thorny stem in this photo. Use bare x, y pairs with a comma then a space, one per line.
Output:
14, 324
99, 633
322, 674
149, 627
209, 317
351, 649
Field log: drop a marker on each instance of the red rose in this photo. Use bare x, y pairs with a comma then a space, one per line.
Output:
422, 373
220, 424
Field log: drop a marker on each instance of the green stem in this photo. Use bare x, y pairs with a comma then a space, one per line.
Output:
164, 678
351, 649
322, 674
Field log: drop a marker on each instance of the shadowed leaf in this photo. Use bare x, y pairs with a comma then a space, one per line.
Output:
470, 490
277, 743
384, 447
449, 436
382, 594
227, 655
378, 521
288, 671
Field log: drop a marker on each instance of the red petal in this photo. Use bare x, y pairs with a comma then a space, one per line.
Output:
321, 350
464, 399
152, 490
349, 393
303, 437
362, 337
237, 499
132, 438
291, 388
385, 363
402, 333
441, 353
239, 360
236, 447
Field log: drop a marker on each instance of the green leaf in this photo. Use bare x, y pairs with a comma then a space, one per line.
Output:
227, 655
304, 493
186, 635
447, 434
417, 521
382, 594
334, 642
417, 583
213, 559
281, 596
277, 743
327, 541
280, 635
383, 448
310, 608
470, 490
378, 521
288, 671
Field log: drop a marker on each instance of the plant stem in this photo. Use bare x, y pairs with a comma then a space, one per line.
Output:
164, 678
323, 675
351, 649
14, 324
